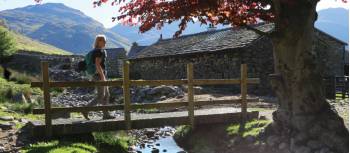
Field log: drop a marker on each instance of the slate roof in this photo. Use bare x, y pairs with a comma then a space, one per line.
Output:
134, 50
209, 41
115, 52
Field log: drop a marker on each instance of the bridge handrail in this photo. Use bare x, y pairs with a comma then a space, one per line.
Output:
125, 83
144, 82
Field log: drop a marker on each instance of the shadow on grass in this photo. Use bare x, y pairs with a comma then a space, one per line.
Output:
104, 142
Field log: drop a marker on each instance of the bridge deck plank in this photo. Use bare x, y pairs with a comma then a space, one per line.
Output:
79, 126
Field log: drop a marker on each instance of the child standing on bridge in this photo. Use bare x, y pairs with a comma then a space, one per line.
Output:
96, 70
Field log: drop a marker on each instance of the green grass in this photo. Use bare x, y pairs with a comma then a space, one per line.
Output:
119, 140
104, 142
17, 110
28, 44
147, 111
252, 128
59, 147
10, 88
182, 131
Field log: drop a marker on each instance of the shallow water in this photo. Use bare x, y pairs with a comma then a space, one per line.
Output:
167, 143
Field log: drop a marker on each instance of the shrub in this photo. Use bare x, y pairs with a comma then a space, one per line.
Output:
7, 44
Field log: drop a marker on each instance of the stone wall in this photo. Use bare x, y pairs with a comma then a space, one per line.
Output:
226, 64
30, 62
114, 63
218, 65
330, 55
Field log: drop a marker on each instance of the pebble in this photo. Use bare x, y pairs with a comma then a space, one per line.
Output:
164, 150
155, 150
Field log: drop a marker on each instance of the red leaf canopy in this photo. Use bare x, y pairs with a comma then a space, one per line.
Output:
156, 13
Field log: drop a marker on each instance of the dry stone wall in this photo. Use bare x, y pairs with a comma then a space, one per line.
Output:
226, 64
218, 65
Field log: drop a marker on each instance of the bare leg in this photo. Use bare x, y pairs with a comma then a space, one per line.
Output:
95, 101
106, 101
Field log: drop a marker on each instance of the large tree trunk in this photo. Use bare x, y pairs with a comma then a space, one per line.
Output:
304, 116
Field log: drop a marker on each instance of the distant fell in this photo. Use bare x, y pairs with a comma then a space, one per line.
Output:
334, 21
28, 44
60, 26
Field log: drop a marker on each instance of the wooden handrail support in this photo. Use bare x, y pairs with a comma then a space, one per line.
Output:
47, 102
127, 106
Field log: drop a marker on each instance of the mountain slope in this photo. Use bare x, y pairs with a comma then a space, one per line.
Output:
151, 36
334, 21
61, 26
28, 44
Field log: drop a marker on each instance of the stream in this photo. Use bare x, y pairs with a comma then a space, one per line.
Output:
165, 144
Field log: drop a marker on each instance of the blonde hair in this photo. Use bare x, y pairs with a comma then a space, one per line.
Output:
99, 38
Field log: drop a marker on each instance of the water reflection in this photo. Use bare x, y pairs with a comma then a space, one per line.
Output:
164, 144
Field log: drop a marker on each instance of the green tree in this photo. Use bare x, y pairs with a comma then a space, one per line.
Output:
7, 44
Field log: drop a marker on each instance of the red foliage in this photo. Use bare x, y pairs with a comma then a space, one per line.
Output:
154, 13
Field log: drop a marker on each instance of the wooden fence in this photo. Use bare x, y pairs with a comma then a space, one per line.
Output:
334, 86
46, 84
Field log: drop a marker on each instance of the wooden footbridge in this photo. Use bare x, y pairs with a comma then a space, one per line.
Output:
136, 121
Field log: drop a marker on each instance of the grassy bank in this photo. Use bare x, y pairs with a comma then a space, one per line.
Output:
217, 138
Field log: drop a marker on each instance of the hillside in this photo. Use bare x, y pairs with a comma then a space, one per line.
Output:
28, 44
334, 21
60, 26
151, 36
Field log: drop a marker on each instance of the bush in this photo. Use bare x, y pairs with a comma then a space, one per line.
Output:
7, 44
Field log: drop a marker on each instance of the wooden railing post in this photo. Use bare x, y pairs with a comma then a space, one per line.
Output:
190, 94
244, 91
126, 94
47, 103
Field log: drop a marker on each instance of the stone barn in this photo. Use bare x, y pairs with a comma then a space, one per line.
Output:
114, 62
218, 54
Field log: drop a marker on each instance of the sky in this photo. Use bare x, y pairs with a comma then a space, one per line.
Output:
104, 13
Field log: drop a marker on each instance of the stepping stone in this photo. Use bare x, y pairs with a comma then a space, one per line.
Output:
6, 126
22, 120
7, 118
